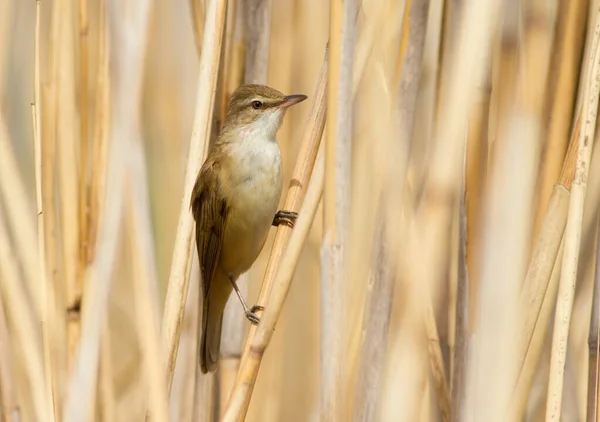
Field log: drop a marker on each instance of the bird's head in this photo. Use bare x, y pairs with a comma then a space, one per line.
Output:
258, 109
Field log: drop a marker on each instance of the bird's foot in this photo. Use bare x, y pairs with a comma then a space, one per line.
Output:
251, 314
285, 217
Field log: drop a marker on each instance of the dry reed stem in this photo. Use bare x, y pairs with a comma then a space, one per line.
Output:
257, 14
22, 320
538, 291
48, 317
593, 368
443, 181
183, 392
336, 202
129, 41
97, 281
67, 140
573, 229
475, 177
145, 286
198, 14
246, 379
459, 354
183, 249
100, 134
303, 169
570, 38
504, 261
83, 141
107, 394
13, 192
8, 400
49, 107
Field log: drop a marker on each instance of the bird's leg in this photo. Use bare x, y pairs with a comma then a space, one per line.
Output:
250, 312
286, 217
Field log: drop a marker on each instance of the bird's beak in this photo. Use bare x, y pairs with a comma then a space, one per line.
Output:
290, 100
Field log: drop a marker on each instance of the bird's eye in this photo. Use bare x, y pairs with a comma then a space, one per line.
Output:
256, 104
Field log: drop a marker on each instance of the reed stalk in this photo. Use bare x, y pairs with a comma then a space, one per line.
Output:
564, 75
246, 379
198, 16
67, 136
573, 228
336, 202
183, 249
593, 368
8, 399
541, 280
129, 47
145, 285
22, 320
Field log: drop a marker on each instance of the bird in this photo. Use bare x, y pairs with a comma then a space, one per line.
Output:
234, 202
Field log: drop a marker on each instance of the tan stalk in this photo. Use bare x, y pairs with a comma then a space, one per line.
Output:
198, 16
48, 318
566, 290
541, 281
336, 202
566, 57
592, 384
379, 294
145, 285
23, 323
129, 35
8, 399
50, 202
183, 249
258, 32
246, 379
19, 213
67, 140
443, 177
83, 141
106, 387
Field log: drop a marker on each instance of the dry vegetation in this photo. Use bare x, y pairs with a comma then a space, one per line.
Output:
444, 266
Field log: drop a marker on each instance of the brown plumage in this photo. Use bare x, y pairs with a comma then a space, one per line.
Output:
234, 201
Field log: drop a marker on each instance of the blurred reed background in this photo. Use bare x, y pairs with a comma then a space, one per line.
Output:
445, 259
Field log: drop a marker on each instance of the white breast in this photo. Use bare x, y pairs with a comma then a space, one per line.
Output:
258, 184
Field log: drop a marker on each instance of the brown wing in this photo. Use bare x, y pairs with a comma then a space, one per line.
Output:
209, 209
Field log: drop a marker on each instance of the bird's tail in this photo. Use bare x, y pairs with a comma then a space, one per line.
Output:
212, 322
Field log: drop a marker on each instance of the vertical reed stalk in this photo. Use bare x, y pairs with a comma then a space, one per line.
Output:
22, 319
67, 140
336, 209
593, 368
8, 400
566, 58
566, 290
129, 41
48, 319
145, 286
83, 141
183, 249
198, 16
246, 379
258, 33
538, 293
376, 317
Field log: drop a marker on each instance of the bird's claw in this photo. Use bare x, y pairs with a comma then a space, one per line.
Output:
257, 308
252, 317
286, 217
